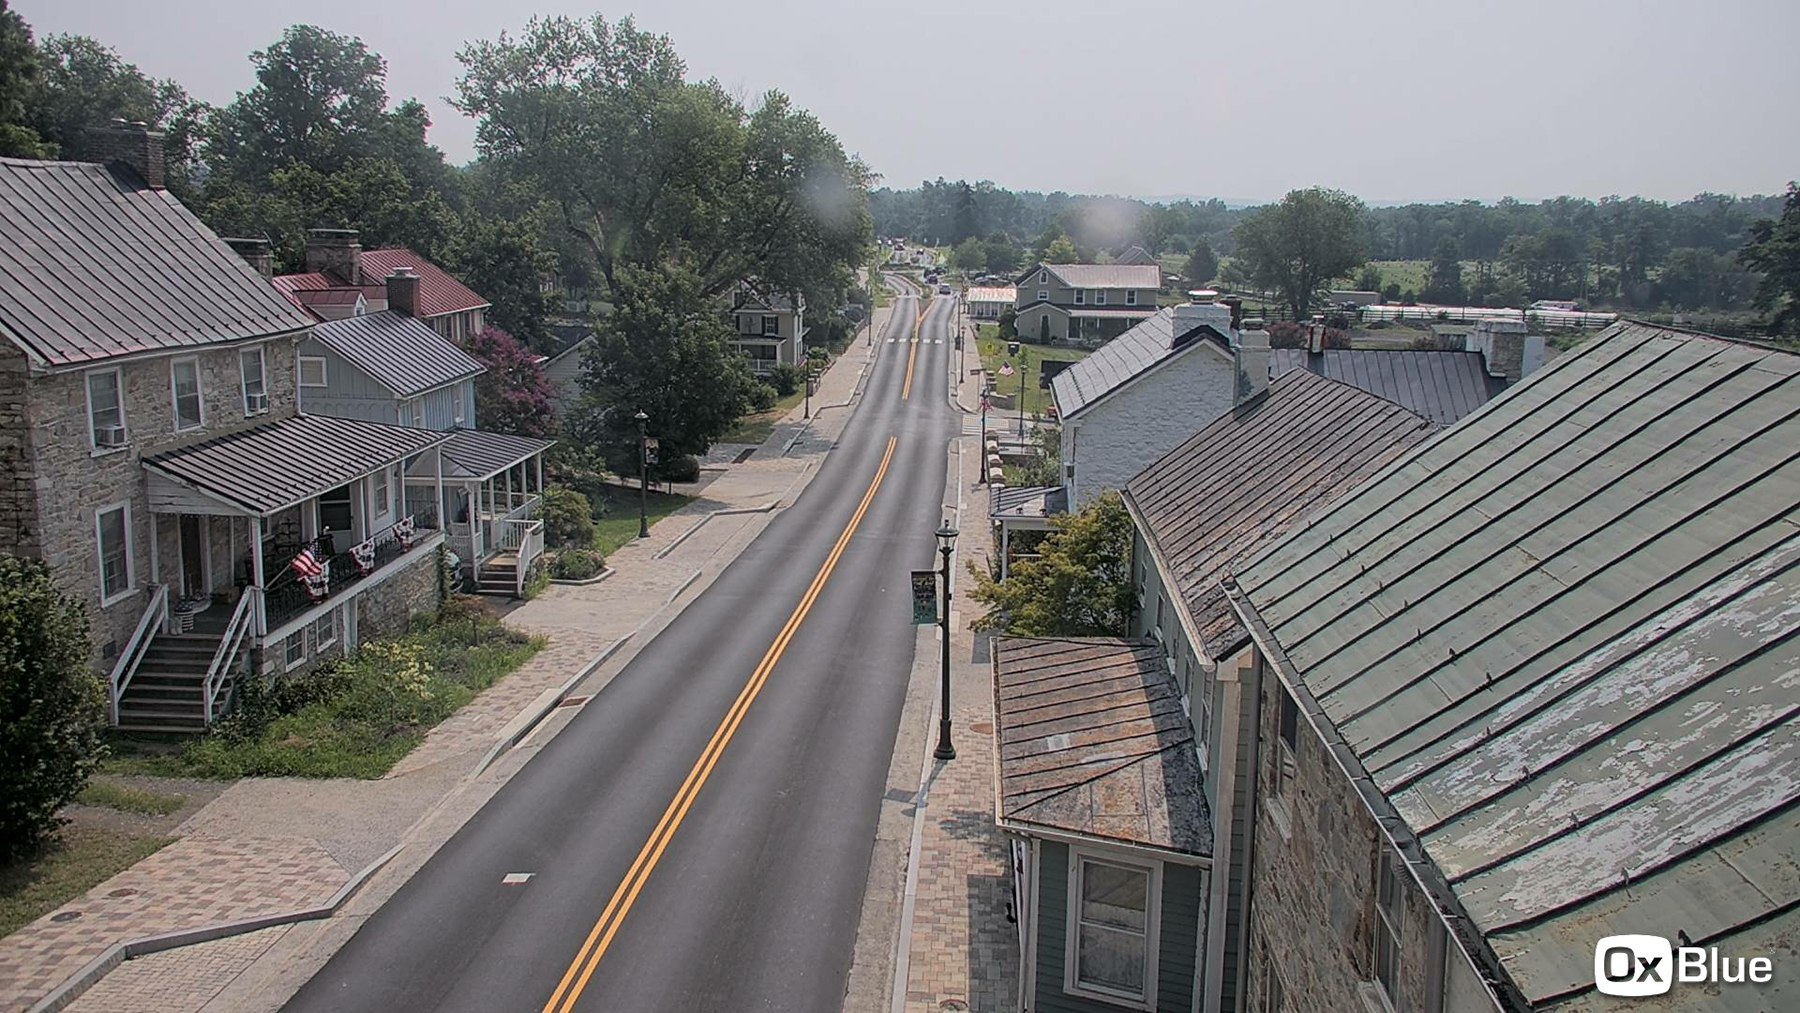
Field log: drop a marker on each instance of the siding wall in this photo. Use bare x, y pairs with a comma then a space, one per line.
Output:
1146, 418
350, 393
1178, 951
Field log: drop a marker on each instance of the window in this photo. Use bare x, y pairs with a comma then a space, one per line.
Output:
294, 648
106, 410
1080, 296
1100, 298
184, 382
256, 388
417, 407
312, 371
383, 491
1274, 993
112, 532
1387, 925
1288, 738
1112, 914
1043, 279
1131, 297
325, 631
456, 402
1043, 294
771, 325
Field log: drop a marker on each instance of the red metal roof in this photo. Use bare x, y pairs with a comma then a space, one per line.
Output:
438, 292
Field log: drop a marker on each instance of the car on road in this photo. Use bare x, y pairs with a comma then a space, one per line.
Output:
943, 290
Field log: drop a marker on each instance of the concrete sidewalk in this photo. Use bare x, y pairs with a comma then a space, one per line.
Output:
273, 845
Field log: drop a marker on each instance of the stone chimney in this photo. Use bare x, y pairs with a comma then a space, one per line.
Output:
134, 144
335, 252
1502, 347
403, 291
1250, 366
1189, 315
257, 253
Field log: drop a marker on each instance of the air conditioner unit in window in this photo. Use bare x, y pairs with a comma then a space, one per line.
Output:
256, 404
109, 436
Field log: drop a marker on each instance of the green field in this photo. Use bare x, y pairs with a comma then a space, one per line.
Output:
993, 353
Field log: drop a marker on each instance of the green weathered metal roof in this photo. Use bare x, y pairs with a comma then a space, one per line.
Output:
1563, 639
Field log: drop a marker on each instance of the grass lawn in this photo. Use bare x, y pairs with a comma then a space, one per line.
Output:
618, 524
356, 718
127, 799
993, 353
756, 426
80, 859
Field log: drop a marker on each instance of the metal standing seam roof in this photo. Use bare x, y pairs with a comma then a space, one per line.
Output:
1117, 361
402, 353
94, 264
439, 293
471, 454
1092, 740
992, 293
1101, 275
1255, 472
1442, 386
1563, 640
272, 466
1029, 501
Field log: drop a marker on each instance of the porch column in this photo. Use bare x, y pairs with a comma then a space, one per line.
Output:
539, 460
257, 583
1005, 540
443, 508
155, 557
509, 491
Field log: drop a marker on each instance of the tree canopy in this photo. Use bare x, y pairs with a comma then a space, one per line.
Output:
1297, 246
1774, 251
1078, 586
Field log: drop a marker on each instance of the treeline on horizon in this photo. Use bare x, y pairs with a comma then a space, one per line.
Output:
1623, 252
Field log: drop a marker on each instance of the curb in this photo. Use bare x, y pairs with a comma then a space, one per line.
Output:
507, 740
116, 954
727, 512
595, 579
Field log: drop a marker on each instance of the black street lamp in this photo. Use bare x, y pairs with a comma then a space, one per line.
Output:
946, 536
643, 475
809, 385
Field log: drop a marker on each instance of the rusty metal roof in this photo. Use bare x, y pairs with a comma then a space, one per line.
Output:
1252, 474
438, 292
94, 264
1093, 741
1563, 640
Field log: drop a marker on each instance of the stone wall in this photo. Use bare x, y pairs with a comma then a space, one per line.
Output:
386, 610
1313, 907
18, 497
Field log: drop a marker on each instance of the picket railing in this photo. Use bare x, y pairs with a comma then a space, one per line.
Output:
156, 616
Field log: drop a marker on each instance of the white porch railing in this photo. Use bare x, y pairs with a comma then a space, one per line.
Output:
236, 632
530, 548
156, 615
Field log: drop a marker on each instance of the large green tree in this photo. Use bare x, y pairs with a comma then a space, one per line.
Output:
664, 350
319, 101
1774, 252
1444, 281
1078, 586
505, 259
646, 167
1295, 247
18, 82
86, 84
1202, 265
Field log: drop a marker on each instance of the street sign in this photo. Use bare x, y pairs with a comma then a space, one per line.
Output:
924, 594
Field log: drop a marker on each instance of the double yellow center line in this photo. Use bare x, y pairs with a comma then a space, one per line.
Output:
588, 957
913, 356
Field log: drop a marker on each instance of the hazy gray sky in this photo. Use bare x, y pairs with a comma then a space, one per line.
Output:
1389, 99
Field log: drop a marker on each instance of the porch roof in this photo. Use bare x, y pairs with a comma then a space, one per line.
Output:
476, 456
270, 467
1028, 502
1093, 742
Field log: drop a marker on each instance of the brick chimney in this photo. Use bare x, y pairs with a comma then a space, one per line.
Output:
256, 253
133, 144
1250, 366
336, 252
403, 291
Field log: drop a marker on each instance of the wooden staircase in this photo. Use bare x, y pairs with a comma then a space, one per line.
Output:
168, 693
498, 576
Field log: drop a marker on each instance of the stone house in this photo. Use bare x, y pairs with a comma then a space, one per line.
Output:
1235, 486
1472, 760
768, 328
1085, 304
155, 456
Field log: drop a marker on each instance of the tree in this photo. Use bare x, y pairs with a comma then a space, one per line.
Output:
1060, 251
1293, 248
1079, 586
1368, 279
318, 101
1202, 266
969, 256
505, 259
1774, 252
664, 350
967, 224
513, 396
86, 84
18, 82
53, 705
1001, 256
1444, 283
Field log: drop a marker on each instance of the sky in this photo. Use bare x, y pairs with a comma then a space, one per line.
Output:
1390, 100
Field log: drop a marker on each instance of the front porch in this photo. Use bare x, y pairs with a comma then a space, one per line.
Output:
493, 496
1023, 517
257, 537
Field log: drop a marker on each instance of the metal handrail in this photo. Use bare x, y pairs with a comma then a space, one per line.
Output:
229, 645
156, 613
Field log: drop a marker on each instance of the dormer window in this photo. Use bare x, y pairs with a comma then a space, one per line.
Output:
1043, 277
1080, 296
1100, 298
1131, 297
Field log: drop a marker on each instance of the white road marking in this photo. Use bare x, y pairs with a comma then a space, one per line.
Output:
515, 878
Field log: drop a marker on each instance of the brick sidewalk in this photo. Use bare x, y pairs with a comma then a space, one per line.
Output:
963, 949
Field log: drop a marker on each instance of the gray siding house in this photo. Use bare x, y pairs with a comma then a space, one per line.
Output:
1085, 304
767, 327
155, 458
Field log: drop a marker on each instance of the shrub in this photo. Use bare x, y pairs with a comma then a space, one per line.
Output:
577, 564
568, 517
762, 397
786, 379
52, 705
680, 469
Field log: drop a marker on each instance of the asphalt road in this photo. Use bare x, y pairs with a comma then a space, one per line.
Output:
670, 871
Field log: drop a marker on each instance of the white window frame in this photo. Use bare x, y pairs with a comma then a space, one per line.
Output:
456, 402
1287, 751
1152, 928
1043, 295
287, 649
771, 326
262, 378
300, 365
417, 409
1043, 277
1081, 297
100, 550
1099, 297
175, 394
87, 383
1131, 297
330, 616
1387, 873
383, 492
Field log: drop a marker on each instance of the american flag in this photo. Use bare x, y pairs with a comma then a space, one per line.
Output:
306, 564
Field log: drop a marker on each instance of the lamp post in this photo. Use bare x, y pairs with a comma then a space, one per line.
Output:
643, 475
946, 536
809, 383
